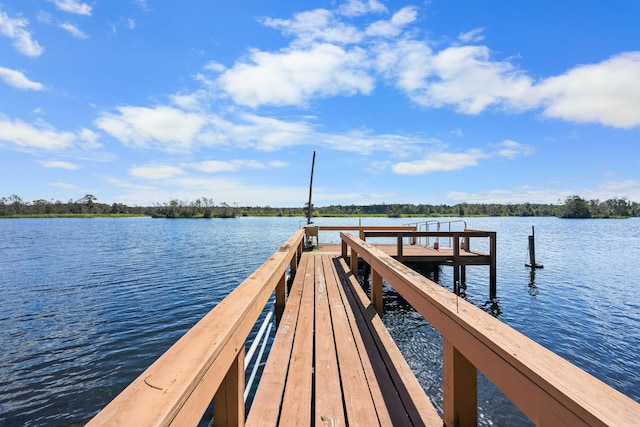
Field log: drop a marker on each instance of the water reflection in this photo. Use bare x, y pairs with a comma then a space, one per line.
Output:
492, 307
532, 288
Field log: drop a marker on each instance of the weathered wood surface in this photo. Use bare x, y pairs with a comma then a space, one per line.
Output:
359, 375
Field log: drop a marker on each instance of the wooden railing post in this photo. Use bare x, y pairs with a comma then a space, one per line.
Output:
354, 262
281, 298
399, 246
456, 264
293, 265
228, 402
376, 292
344, 250
492, 267
460, 388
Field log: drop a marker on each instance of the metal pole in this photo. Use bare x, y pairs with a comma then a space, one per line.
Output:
309, 210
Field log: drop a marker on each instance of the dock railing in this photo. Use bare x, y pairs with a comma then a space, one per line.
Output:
207, 363
547, 388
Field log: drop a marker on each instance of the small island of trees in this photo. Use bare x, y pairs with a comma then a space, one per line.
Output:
88, 205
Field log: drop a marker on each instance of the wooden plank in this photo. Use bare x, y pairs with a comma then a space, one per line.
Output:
296, 402
459, 388
376, 292
328, 392
416, 403
358, 402
265, 409
385, 399
228, 402
281, 298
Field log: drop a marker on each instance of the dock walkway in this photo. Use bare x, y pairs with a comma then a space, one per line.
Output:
333, 362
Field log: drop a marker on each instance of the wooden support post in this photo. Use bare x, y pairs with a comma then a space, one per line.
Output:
376, 292
228, 402
460, 388
354, 262
456, 264
400, 255
281, 298
463, 276
344, 250
492, 267
293, 265
456, 279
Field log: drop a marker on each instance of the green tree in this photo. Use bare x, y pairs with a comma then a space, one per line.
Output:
576, 207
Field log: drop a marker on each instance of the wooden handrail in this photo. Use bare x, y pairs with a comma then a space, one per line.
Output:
207, 361
547, 388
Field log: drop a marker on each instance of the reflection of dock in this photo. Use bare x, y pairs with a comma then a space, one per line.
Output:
333, 362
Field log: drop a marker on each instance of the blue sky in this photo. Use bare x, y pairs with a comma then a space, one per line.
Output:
436, 102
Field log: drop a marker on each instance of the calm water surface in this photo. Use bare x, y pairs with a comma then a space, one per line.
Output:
88, 304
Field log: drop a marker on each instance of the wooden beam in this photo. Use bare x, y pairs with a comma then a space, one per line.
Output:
376, 292
327, 388
228, 402
281, 298
354, 262
460, 388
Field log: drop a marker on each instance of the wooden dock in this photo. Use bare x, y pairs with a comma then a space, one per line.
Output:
333, 362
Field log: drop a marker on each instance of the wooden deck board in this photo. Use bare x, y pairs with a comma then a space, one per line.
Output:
298, 389
360, 407
273, 379
406, 389
328, 392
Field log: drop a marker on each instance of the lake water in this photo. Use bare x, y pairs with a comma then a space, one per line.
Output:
88, 304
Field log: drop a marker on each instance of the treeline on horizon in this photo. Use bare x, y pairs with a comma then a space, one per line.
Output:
573, 207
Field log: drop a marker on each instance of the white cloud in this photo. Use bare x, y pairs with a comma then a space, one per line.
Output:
43, 136
215, 166
156, 172
214, 66
523, 194
62, 185
316, 26
466, 78
55, 164
142, 127
73, 6
18, 79
439, 162
510, 149
16, 29
606, 93
360, 7
394, 26
117, 182
126, 23
291, 77
407, 62
528, 194
472, 36
74, 30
